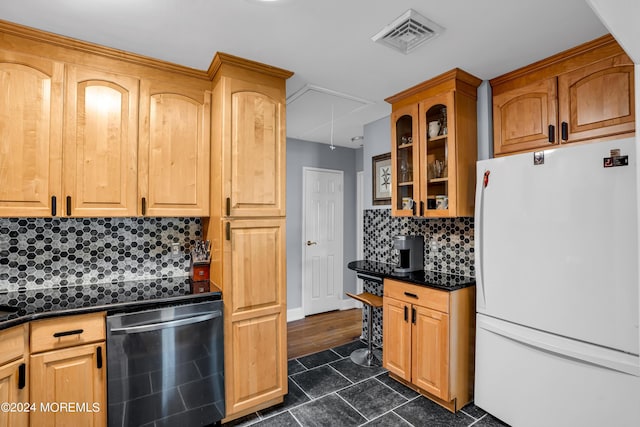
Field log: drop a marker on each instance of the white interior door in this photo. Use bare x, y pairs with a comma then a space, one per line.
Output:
323, 242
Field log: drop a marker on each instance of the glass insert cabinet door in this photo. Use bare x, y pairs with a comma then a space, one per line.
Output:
437, 155
405, 161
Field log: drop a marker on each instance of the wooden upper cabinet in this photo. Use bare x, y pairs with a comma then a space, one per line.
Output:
598, 100
405, 158
101, 143
434, 147
525, 117
173, 173
257, 149
583, 94
30, 134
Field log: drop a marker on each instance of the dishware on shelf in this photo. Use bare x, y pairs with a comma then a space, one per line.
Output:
434, 128
406, 171
436, 169
406, 140
407, 203
442, 202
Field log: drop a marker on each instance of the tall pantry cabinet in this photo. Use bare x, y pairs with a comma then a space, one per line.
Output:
247, 228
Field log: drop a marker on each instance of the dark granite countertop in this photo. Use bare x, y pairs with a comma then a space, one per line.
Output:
432, 279
110, 297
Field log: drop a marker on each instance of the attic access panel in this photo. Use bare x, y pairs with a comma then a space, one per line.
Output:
309, 111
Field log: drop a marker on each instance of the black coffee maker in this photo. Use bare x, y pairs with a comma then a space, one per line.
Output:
409, 252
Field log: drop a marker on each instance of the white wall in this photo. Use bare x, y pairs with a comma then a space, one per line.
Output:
305, 153
621, 19
377, 140
485, 121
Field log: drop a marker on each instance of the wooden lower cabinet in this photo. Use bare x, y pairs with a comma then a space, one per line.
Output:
429, 340
13, 392
255, 315
256, 374
68, 378
14, 379
71, 376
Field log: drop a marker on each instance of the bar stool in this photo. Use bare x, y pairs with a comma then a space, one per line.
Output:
365, 356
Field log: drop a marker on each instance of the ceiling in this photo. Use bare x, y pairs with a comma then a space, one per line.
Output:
338, 70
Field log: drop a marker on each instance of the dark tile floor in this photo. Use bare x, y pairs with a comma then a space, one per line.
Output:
327, 389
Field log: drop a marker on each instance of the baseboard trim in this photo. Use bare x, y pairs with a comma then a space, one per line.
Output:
297, 313
350, 303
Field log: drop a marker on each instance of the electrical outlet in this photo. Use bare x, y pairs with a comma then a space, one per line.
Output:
175, 250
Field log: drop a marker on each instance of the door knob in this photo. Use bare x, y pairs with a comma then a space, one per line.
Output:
309, 243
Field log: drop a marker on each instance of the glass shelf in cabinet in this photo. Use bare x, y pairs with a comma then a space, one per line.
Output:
437, 138
437, 180
405, 146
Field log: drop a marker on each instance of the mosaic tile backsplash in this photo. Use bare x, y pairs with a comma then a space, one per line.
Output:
50, 252
448, 247
448, 242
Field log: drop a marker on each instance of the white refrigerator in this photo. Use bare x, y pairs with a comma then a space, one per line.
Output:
556, 257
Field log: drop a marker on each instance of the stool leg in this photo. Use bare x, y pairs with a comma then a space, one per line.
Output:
364, 356
370, 335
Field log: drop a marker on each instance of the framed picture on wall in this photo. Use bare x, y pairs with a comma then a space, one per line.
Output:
381, 172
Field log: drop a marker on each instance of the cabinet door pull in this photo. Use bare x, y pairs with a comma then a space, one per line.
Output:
552, 134
22, 376
53, 206
564, 129
144, 206
413, 208
410, 295
228, 231
406, 313
99, 357
67, 333
228, 209
68, 205
413, 315
421, 208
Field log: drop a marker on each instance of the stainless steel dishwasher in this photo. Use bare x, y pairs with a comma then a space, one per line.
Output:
165, 366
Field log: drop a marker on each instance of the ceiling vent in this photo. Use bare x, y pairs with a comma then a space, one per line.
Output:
408, 32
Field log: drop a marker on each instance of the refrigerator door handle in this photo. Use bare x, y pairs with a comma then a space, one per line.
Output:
479, 252
563, 347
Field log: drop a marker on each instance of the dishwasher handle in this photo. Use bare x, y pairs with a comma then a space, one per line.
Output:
164, 325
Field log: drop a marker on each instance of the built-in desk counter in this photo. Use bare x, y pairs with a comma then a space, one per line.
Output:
432, 279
